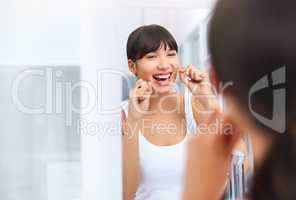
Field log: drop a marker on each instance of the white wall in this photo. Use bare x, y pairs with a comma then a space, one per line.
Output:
179, 4
104, 32
35, 32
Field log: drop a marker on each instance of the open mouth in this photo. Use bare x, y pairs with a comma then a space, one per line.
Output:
162, 77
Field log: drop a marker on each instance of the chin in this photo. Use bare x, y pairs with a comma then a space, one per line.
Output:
164, 90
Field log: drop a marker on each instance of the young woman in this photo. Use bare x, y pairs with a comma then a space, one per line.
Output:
159, 120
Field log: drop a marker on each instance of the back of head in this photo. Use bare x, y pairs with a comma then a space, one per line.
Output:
249, 40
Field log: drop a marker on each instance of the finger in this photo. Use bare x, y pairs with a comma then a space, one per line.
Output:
181, 73
144, 92
136, 91
183, 76
141, 97
181, 69
146, 87
151, 87
203, 74
197, 76
191, 71
187, 73
188, 78
143, 86
200, 75
194, 73
139, 83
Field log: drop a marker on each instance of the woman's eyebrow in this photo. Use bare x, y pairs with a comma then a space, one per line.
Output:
151, 52
171, 49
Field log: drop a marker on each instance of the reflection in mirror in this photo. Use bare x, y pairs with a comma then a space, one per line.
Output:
193, 50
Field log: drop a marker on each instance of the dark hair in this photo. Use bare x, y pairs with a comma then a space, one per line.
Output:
149, 38
249, 39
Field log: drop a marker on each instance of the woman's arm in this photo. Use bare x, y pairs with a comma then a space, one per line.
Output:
131, 172
209, 160
204, 100
139, 100
203, 108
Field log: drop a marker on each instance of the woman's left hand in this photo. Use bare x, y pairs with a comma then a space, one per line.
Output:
196, 80
204, 98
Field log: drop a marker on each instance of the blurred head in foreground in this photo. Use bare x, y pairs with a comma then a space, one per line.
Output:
253, 46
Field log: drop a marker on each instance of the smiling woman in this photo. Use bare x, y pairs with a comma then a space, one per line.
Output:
152, 55
154, 158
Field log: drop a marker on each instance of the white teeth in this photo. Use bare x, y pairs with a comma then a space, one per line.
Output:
163, 76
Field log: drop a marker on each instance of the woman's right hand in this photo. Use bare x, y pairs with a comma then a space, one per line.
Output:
139, 99
138, 105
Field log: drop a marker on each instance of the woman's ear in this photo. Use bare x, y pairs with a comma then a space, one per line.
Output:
132, 66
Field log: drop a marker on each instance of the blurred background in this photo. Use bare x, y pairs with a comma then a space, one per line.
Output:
59, 92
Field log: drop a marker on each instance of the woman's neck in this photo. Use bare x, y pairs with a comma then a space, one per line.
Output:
165, 103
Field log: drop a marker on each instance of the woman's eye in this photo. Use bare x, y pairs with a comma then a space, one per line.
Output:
172, 54
151, 56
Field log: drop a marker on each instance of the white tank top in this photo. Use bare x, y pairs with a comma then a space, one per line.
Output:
162, 167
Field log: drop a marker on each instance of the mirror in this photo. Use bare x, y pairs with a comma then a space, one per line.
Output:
42, 156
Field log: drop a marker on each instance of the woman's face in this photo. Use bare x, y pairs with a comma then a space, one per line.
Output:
159, 67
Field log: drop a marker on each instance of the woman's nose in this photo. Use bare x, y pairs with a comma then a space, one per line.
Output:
163, 65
